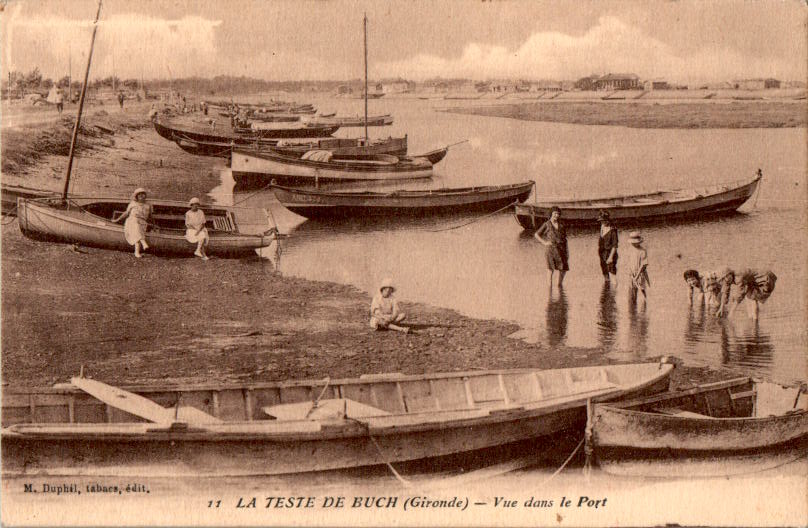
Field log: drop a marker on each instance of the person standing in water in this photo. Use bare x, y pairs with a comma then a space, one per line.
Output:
553, 237
638, 268
607, 248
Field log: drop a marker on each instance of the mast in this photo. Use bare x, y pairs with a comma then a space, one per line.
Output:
81, 105
70, 75
366, 75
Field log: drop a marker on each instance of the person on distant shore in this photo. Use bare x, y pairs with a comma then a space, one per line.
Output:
195, 230
553, 236
120, 99
755, 286
607, 248
638, 268
712, 288
60, 100
384, 310
137, 216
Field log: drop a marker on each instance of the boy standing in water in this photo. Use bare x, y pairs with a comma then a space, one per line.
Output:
638, 268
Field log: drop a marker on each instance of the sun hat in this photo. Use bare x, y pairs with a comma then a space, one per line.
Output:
139, 190
387, 283
194, 201
635, 237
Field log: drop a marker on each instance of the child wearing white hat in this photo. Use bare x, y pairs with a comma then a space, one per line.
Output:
137, 216
384, 311
195, 230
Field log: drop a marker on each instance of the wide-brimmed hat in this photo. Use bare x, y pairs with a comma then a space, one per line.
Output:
193, 201
387, 283
634, 237
139, 190
604, 215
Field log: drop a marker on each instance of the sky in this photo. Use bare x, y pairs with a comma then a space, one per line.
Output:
682, 41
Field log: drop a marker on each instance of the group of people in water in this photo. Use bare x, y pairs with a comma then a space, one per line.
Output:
712, 289
137, 223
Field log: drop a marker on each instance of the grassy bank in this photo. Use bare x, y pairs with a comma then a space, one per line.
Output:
737, 114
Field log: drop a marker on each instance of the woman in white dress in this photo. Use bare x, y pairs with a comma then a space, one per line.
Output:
195, 230
137, 216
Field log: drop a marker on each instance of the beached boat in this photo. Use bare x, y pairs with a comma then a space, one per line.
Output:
648, 207
174, 131
89, 222
718, 429
260, 428
362, 204
355, 121
343, 147
251, 166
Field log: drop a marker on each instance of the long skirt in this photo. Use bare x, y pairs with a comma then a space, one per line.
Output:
134, 230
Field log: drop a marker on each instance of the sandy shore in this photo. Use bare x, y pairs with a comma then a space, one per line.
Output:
157, 319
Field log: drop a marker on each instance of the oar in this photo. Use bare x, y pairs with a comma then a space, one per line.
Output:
803, 388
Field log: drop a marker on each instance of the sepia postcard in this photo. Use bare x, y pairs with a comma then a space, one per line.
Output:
404, 263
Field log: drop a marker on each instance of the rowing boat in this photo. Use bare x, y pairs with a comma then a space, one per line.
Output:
317, 204
267, 428
249, 167
648, 207
10, 194
355, 121
91, 222
343, 147
241, 136
718, 429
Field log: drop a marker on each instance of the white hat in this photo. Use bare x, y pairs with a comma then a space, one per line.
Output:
634, 237
387, 283
139, 190
194, 201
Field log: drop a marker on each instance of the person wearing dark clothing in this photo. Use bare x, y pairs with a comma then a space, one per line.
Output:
553, 236
607, 248
120, 99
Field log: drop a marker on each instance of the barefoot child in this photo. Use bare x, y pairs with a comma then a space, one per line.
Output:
638, 267
195, 230
384, 311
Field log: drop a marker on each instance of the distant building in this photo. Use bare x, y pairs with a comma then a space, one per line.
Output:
756, 84
618, 81
587, 83
657, 85
397, 86
771, 83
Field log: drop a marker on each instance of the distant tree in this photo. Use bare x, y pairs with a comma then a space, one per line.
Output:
47, 83
33, 79
63, 82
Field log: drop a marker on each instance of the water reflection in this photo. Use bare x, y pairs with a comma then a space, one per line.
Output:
607, 318
556, 319
637, 326
694, 330
744, 344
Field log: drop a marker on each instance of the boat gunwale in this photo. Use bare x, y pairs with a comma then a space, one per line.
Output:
460, 191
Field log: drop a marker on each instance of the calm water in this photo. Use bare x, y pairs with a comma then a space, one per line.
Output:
490, 269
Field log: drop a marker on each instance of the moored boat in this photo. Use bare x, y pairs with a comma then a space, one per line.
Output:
90, 222
362, 204
344, 147
647, 207
318, 166
267, 428
173, 131
718, 429
355, 121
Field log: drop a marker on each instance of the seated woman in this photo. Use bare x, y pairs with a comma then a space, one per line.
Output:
757, 287
384, 311
195, 230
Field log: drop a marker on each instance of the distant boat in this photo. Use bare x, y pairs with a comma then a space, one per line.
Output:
717, 429
355, 121
362, 204
90, 222
654, 206
173, 131
322, 166
295, 426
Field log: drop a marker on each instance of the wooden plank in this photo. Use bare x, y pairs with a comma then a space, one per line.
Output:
502, 388
469, 395
746, 394
71, 409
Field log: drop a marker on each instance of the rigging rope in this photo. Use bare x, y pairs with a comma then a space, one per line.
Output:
472, 221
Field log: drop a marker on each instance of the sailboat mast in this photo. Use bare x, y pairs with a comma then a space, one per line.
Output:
366, 76
81, 105
70, 76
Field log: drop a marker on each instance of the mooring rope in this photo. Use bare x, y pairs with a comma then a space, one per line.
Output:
472, 221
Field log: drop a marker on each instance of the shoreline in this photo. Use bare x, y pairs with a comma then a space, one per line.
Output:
125, 321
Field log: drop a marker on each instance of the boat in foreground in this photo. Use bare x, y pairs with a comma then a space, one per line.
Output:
10, 194
318, 166
362, 204
718, 429
88, 428
346, 147
90, 222
648, 207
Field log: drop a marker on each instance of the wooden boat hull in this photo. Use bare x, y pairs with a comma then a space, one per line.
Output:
344, 122
709, 431
173, 133
250, 167
41, 220
10, 194
339, 146
341, 205
429, 416
435, 156
697, 203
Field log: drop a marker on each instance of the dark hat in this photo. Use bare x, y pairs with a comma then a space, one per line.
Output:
603, 215
692, 273
555, 209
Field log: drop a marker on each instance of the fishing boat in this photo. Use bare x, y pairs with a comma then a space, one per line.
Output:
648, 207
317, 204
241, 135
718, 429
317, 166
344, 147
266, 428
92, 222
356, 121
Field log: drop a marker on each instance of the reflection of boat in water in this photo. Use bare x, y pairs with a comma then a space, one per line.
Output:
729, 427
320, 204
655, 206
297, 426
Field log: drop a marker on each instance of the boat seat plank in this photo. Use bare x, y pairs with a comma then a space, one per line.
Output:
681, 413
325, 409
741, 395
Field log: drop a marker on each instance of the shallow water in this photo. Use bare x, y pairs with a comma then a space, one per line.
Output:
491, 269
